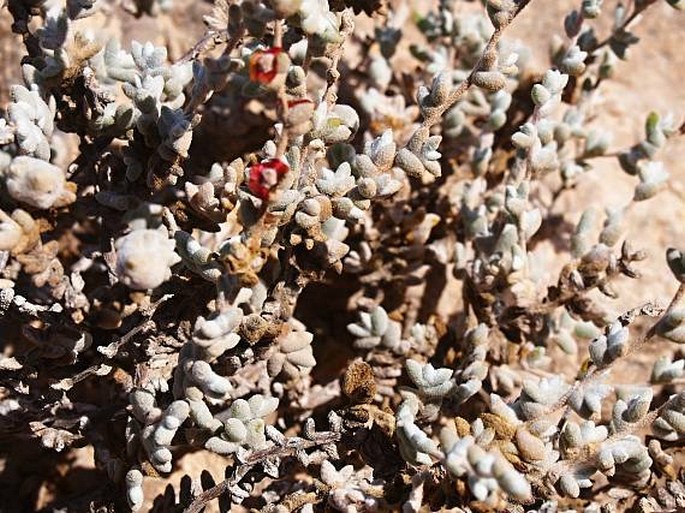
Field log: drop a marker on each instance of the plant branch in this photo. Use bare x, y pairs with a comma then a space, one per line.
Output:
292, 447
434, 115
595, 372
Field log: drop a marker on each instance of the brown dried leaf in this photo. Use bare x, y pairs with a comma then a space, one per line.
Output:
358, 383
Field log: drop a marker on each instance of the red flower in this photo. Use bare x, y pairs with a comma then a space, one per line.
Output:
301, 101
265, 176
264, 65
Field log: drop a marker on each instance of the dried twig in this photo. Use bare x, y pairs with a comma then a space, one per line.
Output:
293, 446
111, 350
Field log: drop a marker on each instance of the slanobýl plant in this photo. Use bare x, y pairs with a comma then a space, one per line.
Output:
246, 245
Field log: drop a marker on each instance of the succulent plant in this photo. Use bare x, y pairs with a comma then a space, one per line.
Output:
298, 220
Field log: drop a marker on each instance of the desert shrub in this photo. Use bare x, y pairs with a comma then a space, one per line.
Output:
241, 251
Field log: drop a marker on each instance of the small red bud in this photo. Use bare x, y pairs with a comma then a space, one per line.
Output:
295, 103
265, 176
264, 65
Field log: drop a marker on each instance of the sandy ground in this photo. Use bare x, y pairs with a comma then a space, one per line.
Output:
652, 79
